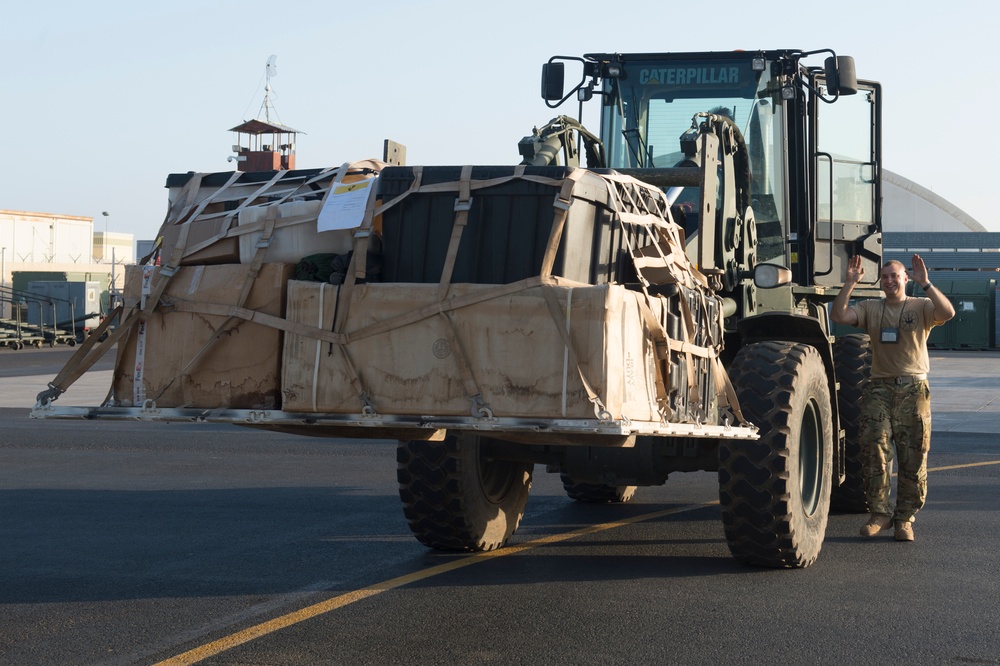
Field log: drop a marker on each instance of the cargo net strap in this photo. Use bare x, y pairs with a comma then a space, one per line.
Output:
464, 189
229, 203
268, 198
463, 204
190, 205
635, 204
665, 261
250, 274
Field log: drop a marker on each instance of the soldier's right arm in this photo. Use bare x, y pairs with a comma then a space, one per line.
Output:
840, 311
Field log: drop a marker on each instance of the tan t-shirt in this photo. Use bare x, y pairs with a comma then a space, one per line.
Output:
913, 320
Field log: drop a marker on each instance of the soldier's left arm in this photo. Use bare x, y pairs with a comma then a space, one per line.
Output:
943, 309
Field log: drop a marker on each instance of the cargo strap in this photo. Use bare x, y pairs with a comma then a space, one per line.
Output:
600, 410
671, 257
252, 271
183, 208
82, 360
562, 203
355, 271
86, 356
462, 206
463, 203
659, 233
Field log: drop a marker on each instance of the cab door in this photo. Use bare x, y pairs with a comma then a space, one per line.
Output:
847, 201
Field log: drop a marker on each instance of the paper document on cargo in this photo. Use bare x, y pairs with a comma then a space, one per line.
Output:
345, 207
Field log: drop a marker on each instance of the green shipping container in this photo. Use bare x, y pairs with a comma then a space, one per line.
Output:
975, 315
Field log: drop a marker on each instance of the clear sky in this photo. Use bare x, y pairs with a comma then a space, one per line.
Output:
100, 100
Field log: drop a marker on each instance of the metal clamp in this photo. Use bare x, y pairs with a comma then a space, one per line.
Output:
562, 204
47, 396
367, 406
480, 409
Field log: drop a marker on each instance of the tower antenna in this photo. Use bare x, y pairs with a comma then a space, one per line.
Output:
270, 70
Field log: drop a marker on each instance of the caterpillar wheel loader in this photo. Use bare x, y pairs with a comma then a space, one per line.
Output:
772, 168
662, 309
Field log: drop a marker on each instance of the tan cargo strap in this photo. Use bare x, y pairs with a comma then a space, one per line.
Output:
362, 238
561, 203
83, 360
176, 210
464, 186
378, 328
678, 266
252, 271
653, 226
559, 318
462, 205
200, 207
355, 271
662, 346
727, 396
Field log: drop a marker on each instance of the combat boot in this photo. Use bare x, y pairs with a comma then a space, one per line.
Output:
904, 530
877, 523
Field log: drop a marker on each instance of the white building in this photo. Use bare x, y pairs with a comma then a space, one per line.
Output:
61, 244
908, 207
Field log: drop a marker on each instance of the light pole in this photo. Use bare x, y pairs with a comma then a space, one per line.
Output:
104, 242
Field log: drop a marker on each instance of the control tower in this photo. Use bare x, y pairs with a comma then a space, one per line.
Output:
263, 144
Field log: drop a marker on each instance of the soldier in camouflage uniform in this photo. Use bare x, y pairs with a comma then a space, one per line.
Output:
896, 402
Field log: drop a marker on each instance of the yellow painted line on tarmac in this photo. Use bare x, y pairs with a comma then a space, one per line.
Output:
965, 466
251, 633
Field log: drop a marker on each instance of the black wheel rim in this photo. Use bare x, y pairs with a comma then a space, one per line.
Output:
496, 478
810, 457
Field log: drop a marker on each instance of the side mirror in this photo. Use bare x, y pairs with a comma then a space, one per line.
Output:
840, 75
553, 76
769, 276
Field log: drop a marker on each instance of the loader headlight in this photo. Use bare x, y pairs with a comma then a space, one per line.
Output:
768, 276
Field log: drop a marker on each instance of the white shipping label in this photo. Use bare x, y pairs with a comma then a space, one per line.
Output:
345, 207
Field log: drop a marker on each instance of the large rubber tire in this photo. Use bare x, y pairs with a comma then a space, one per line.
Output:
852, 357
775, 491
456, 499
596, 493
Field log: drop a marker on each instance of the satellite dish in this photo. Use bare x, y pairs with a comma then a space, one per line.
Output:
272, 69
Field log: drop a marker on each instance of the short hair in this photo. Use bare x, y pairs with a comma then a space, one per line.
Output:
896, 262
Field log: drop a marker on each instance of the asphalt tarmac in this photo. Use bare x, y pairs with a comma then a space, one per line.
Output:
140, 543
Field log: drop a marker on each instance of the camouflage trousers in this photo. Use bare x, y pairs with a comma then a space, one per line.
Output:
895, 419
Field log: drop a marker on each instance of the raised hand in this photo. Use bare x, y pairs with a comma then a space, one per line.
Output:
855, 271
919, 270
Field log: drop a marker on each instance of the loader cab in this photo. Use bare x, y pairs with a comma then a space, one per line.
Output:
812, 139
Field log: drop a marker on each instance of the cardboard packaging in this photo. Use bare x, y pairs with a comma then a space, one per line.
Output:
241, 370
516, 354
